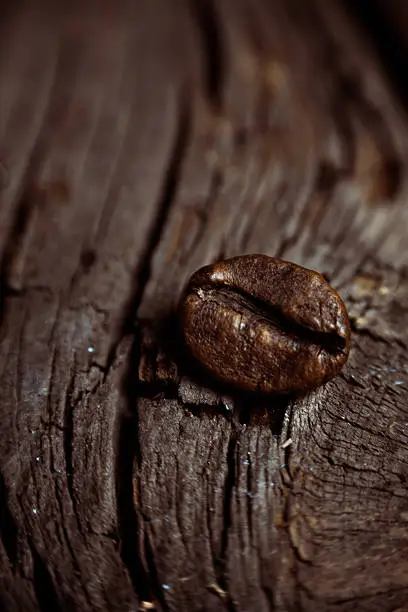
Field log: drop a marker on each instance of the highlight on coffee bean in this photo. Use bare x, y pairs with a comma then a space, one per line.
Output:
265, 325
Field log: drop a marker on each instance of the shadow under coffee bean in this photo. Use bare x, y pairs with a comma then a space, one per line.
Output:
265, 325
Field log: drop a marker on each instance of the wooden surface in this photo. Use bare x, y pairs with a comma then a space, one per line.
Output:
140, 140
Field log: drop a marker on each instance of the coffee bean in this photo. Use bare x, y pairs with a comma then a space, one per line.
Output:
263, 324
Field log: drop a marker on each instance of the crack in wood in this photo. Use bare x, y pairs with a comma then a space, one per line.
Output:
8, 526
207, 20
165, 204
145, 584
68, 438
229, 486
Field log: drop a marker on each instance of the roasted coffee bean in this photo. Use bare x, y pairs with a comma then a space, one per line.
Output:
263, 324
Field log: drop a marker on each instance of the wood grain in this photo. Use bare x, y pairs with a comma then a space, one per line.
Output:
138, 142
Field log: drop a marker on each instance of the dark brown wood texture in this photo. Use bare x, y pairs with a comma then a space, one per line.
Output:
139, 140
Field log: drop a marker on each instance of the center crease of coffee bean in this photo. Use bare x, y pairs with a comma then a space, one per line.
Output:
245, 304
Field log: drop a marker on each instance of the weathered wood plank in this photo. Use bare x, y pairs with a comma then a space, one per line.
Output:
140, 141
